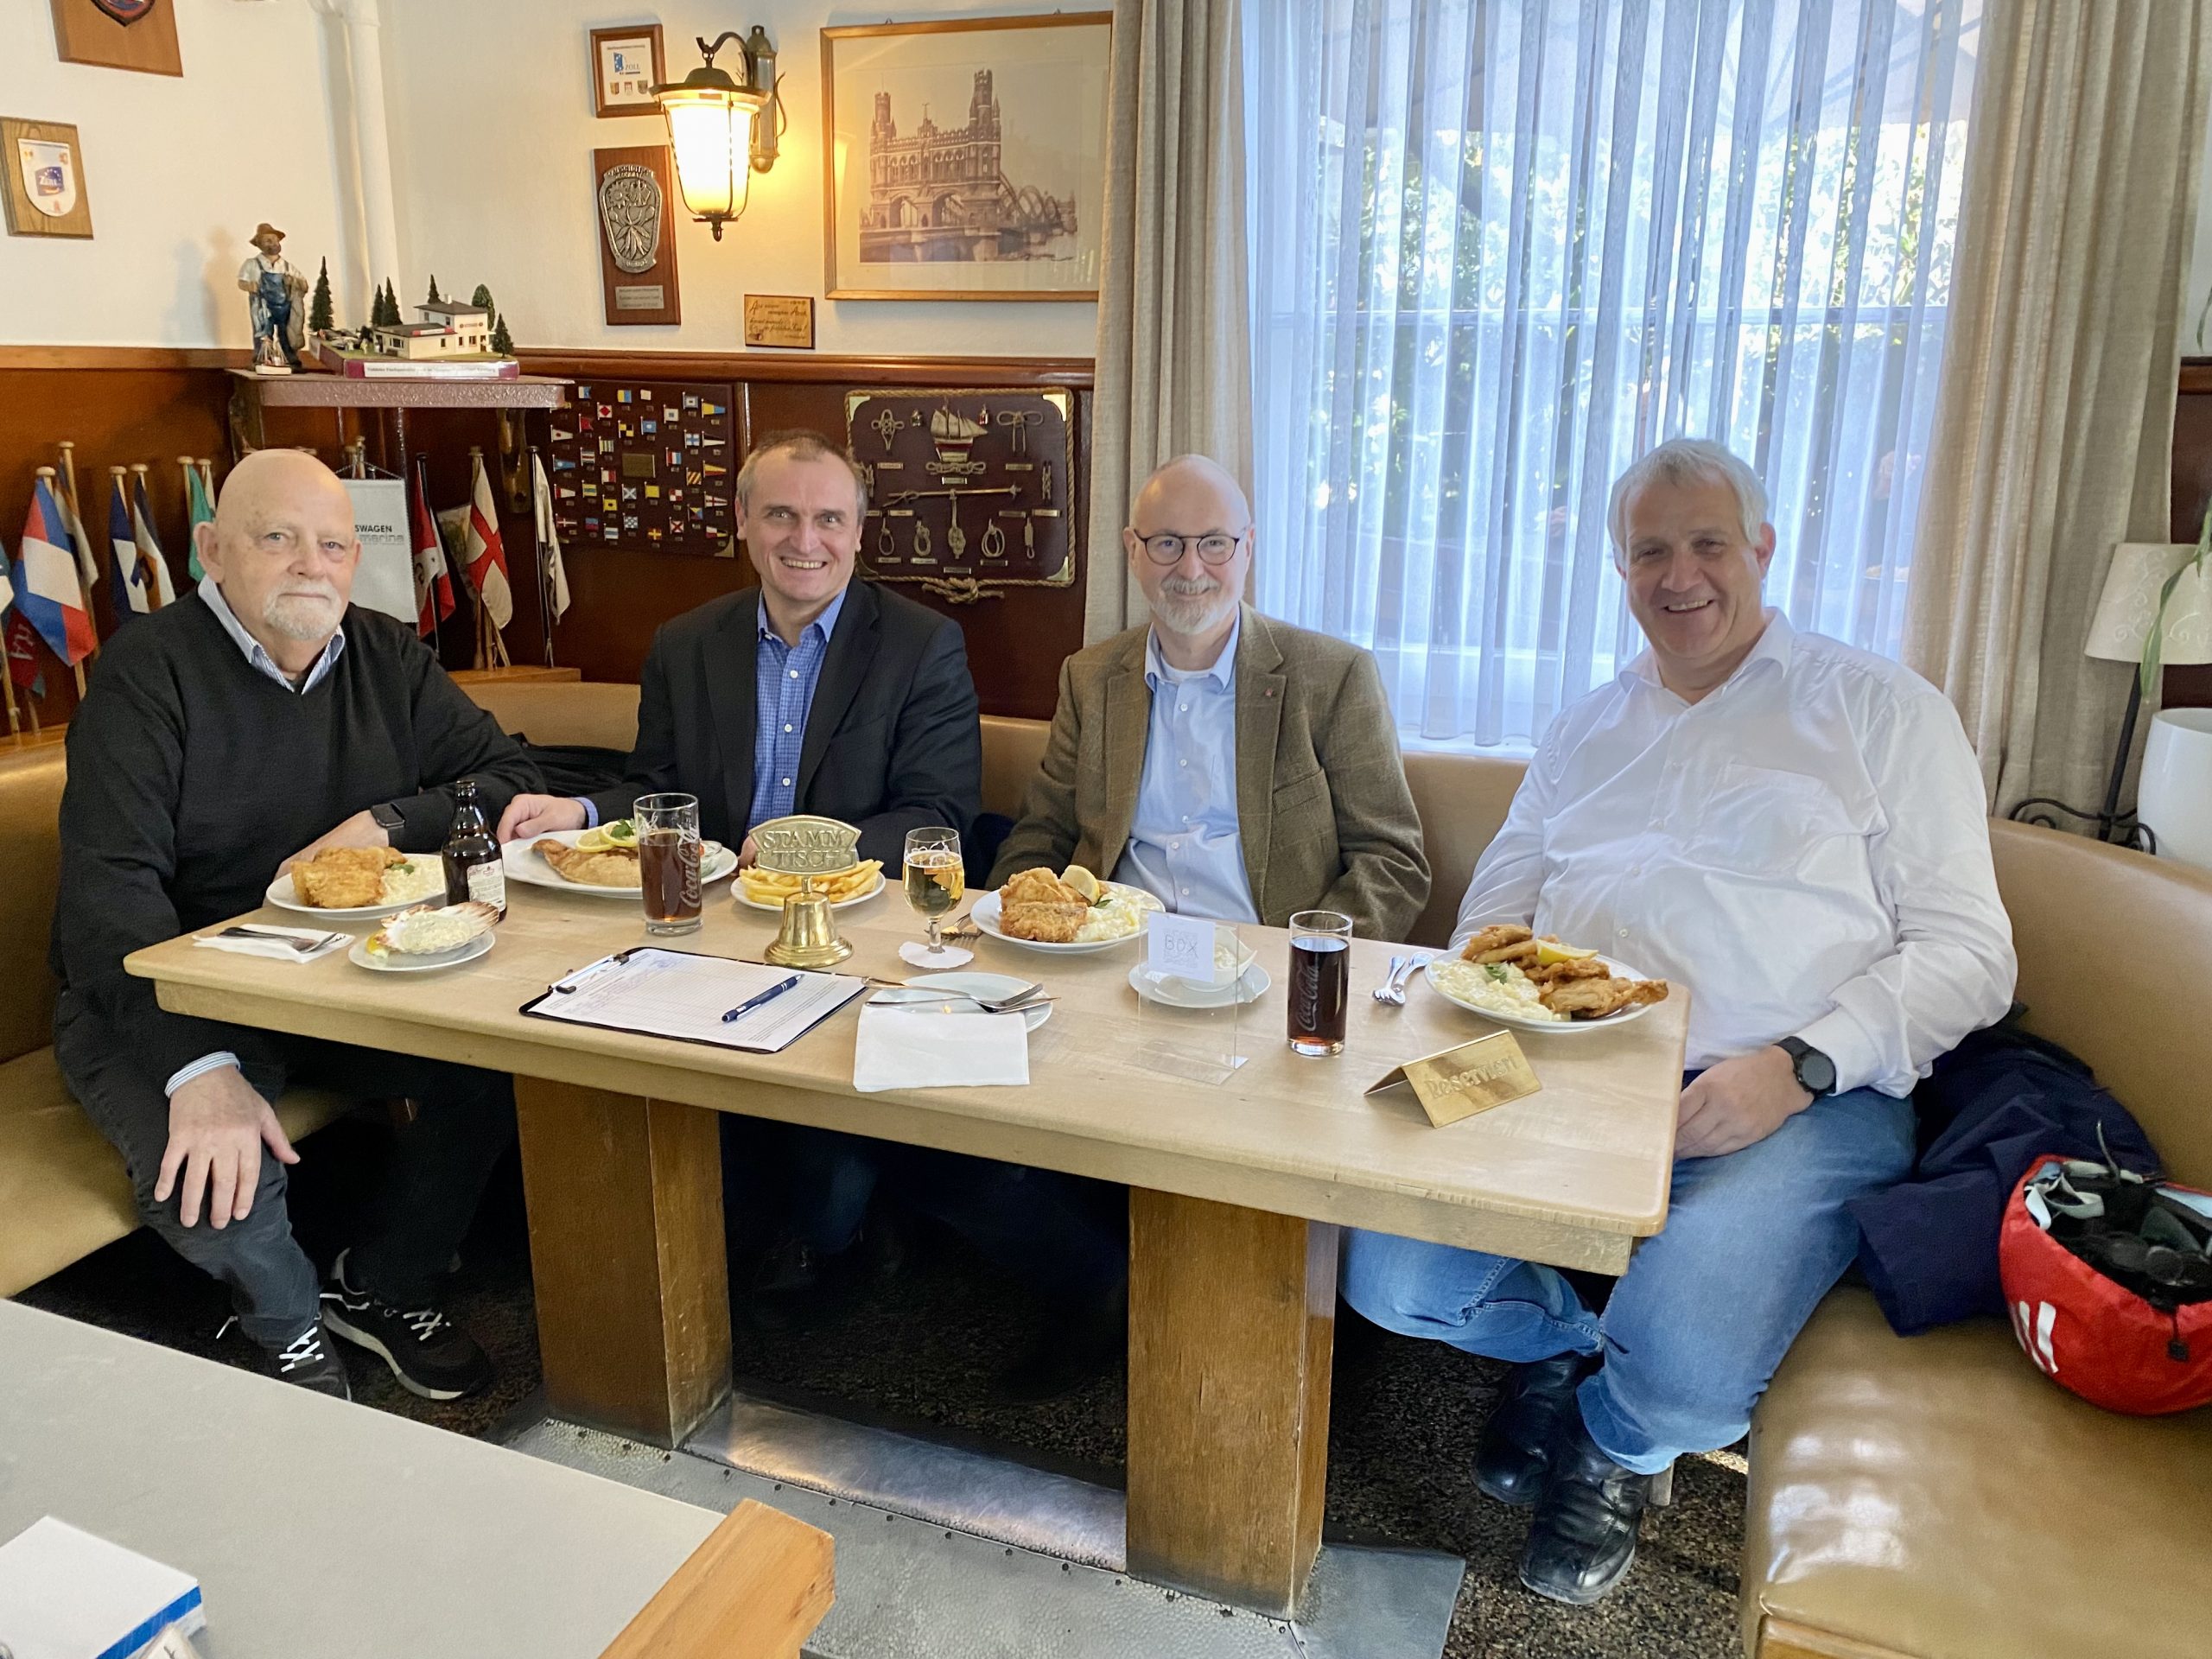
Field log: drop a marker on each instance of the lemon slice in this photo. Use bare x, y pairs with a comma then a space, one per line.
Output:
1548, 953
620, 833
593, 841
1083, 882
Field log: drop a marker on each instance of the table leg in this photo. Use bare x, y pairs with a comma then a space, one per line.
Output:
625, 1248
1232, 1324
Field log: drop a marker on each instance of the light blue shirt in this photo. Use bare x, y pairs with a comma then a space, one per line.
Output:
212, 596
1185, 846
783, 681
782, 694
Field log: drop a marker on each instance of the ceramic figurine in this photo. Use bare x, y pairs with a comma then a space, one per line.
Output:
272, 286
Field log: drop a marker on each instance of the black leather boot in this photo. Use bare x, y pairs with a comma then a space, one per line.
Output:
1583, 1538
1516, 1448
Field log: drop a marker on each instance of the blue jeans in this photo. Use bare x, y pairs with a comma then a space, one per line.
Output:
1707, 1306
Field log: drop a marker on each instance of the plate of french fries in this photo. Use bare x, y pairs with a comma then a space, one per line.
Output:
855, 884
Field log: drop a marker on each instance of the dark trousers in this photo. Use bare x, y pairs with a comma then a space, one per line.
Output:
1065, 1236
465, 1119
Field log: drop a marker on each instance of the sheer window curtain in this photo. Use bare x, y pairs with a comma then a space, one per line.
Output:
1502, 246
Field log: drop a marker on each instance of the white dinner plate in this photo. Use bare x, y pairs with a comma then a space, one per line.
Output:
398, 963
859, 898
285, 896
1551, 1027
523, 864
985, 915
969, 984
1250, 985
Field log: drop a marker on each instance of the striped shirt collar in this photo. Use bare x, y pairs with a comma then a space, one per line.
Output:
212, 596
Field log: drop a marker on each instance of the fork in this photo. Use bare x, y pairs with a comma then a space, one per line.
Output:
301, 942
1393, 989
1027, 996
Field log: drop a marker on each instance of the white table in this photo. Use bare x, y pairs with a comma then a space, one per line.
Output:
316, 1528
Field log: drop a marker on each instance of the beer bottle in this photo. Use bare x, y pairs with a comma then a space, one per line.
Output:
474, 867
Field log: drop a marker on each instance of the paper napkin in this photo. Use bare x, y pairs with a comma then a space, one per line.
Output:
902, 1048
273, 942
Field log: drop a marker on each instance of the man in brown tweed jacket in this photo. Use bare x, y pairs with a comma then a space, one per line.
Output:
1235, 766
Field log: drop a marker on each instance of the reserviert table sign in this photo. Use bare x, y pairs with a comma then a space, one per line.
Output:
66, 1594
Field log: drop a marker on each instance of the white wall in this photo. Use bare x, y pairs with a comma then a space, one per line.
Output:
178, 172
492, 131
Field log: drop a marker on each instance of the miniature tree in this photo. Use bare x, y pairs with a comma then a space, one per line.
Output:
482, 298
435, 296
320, 320
388, 308
502, 341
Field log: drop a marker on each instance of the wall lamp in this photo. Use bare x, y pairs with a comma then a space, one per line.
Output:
723, 131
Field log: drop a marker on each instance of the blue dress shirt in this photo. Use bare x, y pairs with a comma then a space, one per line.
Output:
783, 681
1185, 847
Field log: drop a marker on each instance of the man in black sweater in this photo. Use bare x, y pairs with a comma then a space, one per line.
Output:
253, 723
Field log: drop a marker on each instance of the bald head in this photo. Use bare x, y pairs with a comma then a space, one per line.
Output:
282, 549
1189, 541
1191, 484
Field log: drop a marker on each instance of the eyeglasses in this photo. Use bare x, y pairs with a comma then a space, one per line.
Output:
1213, 548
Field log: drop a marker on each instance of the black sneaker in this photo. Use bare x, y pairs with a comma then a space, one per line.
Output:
427, 1352
307, 1361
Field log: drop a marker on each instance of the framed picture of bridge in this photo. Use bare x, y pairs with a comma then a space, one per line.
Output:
965, 158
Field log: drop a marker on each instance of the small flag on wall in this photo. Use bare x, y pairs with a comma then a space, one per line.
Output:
152, 560
130, 596
46, 594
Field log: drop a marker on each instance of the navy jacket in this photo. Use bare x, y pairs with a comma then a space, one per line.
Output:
1991, 1108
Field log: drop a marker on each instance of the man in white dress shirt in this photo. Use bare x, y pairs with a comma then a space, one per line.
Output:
1793, 830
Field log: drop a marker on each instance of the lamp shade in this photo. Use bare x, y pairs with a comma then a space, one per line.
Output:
710, 129
2129, 606
2176, 800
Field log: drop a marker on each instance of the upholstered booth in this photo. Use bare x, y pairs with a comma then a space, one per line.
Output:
63, 1192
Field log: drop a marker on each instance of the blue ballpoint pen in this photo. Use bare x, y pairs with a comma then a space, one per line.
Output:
768, 996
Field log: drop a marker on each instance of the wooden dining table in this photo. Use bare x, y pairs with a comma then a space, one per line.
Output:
1240, 1179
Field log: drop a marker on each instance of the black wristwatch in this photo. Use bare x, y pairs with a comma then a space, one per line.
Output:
387, 817
1815, 1071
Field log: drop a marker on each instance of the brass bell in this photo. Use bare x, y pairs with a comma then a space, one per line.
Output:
809, 936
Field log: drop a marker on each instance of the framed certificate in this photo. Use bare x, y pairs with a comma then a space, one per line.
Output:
626, 67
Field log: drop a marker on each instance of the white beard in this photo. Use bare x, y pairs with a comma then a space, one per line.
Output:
1194, 613
305, 615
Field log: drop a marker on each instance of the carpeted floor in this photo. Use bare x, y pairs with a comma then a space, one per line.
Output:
921, 1349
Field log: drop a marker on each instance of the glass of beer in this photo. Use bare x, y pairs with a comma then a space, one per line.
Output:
936, 879
668, 861
1320, 980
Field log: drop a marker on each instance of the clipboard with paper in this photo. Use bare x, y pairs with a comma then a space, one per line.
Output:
684, 996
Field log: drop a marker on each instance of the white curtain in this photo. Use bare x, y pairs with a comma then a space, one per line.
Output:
1502, 246
2058, 413
1172, 335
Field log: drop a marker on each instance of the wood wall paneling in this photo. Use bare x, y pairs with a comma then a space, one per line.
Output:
125, 404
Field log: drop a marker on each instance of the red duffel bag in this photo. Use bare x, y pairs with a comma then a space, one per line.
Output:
2108, 1277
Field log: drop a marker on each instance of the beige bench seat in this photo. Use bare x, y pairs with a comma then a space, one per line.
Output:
63, 1192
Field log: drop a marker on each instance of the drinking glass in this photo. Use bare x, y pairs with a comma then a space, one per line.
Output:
1320, 977
936, 879
668, 861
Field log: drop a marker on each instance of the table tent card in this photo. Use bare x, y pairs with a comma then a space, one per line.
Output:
1189, 1012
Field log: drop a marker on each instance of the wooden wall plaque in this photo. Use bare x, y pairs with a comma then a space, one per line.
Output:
969, 491
137, 34
644, 464
45, 183
634, 203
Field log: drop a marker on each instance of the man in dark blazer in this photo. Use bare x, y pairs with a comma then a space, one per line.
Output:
816, 693
810, 693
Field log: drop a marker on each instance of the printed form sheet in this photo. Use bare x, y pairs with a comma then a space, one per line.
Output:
676, 994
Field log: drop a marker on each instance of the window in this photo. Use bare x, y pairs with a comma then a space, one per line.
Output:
1506, 246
